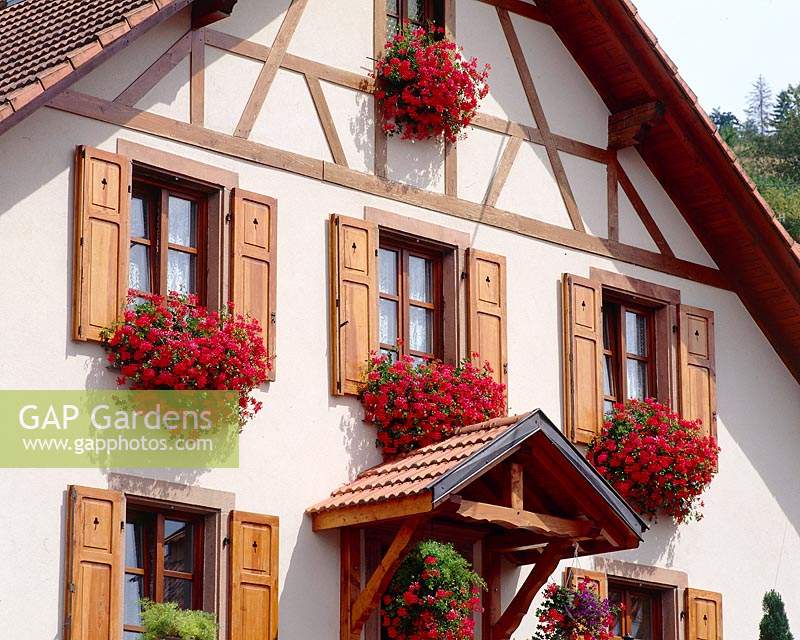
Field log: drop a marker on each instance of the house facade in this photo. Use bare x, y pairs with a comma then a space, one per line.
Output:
590, 197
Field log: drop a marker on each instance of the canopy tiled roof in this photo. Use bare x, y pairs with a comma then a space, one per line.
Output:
412, 474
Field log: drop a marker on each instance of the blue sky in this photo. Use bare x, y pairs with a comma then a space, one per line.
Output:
721, 46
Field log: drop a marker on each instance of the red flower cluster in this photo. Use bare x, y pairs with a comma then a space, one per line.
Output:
656, 460
416, 405
174, 344
433, 596
574, 614
425, 87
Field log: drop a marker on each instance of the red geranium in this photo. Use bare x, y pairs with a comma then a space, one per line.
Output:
425, 87
656, 460
171, 343
414, 405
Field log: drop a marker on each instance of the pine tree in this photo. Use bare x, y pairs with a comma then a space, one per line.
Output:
760, 105
774, 625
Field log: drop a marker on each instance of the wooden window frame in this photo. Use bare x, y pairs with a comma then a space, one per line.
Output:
451, 245
662, 303
157, 189
643, 589
162, 512
430, 12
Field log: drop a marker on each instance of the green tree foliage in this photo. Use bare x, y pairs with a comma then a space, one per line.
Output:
774, 624
768, 146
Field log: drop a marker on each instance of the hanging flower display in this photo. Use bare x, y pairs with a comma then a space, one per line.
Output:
425, 87
656, 460
414, 405
433, 595
574, 614
172, 343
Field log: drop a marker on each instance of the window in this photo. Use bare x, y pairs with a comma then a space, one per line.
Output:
640, 615
163, 561
167, 238
628, 352
410, 305
416, 12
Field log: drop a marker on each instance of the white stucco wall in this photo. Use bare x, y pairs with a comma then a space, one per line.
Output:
305, 442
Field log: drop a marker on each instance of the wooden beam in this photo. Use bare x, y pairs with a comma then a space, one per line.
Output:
362, 514
326, 120
150, 77
519, 606
491, 566
537, 110
643, 212
379, 581
516, 488
450, 148
510, 518
270, 69
350, 579
630, 127
170, 129
197, 83
612, 187
522, 8
380, 140
502, 171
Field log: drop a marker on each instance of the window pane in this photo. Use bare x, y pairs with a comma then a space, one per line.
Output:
135, 525
139, 267
392, 354
609, 388
420, 329
607, 329
132, 635
418, 361
179, 591
607, 406
387, 260
636, 333
637, 379
615, 597
178, 546
388, 322
640, 616
134, 592
391, 26
182, 221
391, 7
420, 279
416, 10
181, 272
139, 218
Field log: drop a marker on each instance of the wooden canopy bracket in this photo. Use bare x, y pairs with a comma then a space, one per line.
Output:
366, 601
510, 620
630, 127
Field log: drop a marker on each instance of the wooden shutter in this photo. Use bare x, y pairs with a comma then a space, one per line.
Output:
598, 580
697, 377
100, 270
354, 300
253, 270
583, 356
486, 314
253, 594
94, 555
703, 615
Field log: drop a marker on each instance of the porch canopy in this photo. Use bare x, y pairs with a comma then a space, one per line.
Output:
516, 484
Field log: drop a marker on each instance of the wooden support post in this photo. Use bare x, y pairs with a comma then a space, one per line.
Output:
492, 605
613, 197
516, 488
379, 581
197, 83
350, 581
519, 606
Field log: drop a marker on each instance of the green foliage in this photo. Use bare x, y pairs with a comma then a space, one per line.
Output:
774, 625
165, 620
768, 145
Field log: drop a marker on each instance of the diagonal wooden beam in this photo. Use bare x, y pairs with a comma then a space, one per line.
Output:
326, 120
270, 69
503, 169
151, 76
519, 606
379, 581
643, 212
197, 85
509, 518
612, 189
539, 116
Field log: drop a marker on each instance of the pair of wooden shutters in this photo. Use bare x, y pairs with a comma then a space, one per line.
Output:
582, 302
702, 609
95, 555
353, 260
103, 184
